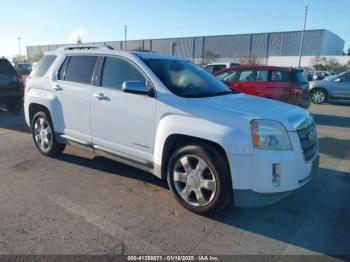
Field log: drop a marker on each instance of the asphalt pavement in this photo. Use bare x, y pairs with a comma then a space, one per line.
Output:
82, 204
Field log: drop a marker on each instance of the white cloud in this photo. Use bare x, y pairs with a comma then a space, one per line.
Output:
78, 35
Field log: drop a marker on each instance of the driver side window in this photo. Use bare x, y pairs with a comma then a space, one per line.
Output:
116, 71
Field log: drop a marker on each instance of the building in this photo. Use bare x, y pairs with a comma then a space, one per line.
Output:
228, 47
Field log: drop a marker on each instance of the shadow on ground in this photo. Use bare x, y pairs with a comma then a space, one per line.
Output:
335, 148
13, 121
316, 218
333, 121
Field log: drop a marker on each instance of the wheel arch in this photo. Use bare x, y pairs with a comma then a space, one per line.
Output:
34, 108
320, 88
175, 141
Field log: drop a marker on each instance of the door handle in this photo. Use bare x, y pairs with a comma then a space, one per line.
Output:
100, 96
58, 88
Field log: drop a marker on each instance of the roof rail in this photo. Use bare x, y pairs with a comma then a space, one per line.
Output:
83, 46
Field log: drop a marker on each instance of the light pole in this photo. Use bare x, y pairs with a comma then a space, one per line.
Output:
19, 46
126, 36
303, 35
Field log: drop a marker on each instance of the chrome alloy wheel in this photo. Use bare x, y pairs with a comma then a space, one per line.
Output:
194, 181
43, 134
318, 97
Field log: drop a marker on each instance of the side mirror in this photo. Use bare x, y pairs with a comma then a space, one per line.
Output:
137, 87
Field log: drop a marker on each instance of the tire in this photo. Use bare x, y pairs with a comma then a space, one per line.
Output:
44, 135
318, 96
15, 106
199, 178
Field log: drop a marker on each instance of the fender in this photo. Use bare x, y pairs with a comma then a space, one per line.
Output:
49, 100
232, 140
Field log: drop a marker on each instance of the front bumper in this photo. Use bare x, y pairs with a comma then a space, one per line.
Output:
250, 198
253, 176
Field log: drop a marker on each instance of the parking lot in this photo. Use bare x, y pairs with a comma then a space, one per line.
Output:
82, 204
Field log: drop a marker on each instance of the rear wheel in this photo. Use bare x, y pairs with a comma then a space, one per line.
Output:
44, 136
15, 106
318, 96
199, 178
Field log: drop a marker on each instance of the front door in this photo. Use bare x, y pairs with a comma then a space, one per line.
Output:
122, 122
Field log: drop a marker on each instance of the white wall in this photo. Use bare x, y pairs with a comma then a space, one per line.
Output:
293, 61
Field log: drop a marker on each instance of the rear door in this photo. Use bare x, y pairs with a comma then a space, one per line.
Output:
279, 85
251, 81
73, 89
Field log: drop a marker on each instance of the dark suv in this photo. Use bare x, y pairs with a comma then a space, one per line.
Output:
11, 86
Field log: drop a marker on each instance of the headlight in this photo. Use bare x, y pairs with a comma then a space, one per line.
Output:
270, 135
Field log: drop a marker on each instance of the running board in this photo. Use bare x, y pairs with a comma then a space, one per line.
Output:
124, 158
111, 154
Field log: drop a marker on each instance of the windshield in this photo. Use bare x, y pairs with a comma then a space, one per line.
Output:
186, 79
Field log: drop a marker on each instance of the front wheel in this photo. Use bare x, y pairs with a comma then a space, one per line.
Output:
44, 136
199, 178
318, 96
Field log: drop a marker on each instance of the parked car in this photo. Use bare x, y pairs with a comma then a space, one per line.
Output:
319, 75
11, 86
23, 68
216, 67
332, 89
279, 83
167, 116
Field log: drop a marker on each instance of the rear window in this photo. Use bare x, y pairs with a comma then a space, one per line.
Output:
280, 76
80, 69
6, 67
44, 65
299, 77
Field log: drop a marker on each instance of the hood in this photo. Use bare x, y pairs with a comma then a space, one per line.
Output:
252, 107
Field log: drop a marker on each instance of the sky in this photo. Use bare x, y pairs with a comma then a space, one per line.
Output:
40, 22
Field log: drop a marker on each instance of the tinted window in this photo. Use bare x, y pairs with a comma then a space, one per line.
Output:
116, 71
209, 68
80, 69
344, 77
6, 67
187, 79
262, 75
218, 68
62, 71
227, 76
247, 76
280, 76
44, 65
299, 77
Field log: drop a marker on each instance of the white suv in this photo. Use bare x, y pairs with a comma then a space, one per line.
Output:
170, 117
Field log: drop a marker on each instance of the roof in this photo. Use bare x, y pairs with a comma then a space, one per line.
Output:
105, 50
258, 67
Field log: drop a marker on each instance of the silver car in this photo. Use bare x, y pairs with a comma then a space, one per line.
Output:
332, 89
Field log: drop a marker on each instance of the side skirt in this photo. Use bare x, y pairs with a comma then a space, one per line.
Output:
111, 154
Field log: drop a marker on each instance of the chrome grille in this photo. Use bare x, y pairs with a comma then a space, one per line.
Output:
308, 138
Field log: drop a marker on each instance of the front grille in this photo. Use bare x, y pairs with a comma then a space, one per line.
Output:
308, 138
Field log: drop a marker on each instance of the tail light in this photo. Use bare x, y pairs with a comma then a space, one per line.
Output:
297, 93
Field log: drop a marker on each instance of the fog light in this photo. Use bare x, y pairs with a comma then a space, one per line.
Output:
276, 174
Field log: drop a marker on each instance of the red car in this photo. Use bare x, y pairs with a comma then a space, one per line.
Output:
280, 83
